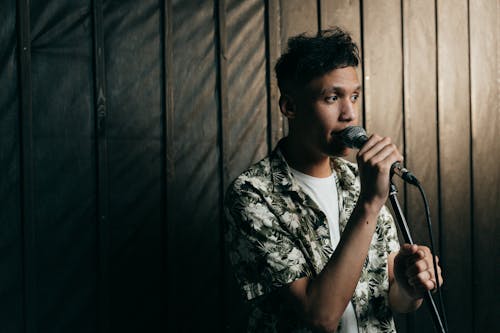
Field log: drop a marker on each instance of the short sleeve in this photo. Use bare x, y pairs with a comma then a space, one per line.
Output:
263, 255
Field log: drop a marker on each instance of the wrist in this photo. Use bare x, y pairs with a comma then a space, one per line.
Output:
371, 204
401, 300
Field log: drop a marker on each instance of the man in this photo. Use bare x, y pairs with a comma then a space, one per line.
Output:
310, 240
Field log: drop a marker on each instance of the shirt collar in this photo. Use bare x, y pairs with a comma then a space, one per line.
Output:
283, 179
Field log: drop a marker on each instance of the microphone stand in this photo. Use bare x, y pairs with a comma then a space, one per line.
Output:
403, 227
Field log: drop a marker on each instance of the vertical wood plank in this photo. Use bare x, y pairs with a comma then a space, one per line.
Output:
168, 137
246, 94
420, 112
383, 79
297, 16
454, 161
245, 137
420, 100
26, 167
221, 7
168, 89
230, 293
11, 237
383, 71
273, 47
485, 122
193, 212
102, 166
135, 160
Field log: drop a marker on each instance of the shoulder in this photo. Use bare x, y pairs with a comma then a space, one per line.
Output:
256, 180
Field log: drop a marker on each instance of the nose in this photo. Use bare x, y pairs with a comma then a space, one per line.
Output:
348, 111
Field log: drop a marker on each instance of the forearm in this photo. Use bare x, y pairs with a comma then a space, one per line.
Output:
329, 293
400, 301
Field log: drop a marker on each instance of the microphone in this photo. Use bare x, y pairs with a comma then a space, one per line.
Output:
355, 137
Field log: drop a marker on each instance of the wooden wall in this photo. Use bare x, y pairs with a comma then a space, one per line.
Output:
123, 122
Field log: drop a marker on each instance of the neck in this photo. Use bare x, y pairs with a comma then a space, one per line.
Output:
304, 159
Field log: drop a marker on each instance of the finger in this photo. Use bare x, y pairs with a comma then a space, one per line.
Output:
376, 147
408, 249
386, 151
421, 279
421, 254
372, 141
416, 268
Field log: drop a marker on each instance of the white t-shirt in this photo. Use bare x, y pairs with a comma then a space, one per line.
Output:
324, 192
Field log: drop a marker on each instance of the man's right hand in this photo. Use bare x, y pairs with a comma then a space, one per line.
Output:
375, 159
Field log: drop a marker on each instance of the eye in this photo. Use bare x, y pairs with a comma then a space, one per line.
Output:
331, 99
354, 98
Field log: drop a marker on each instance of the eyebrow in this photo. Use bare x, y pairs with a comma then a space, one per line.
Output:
338, 88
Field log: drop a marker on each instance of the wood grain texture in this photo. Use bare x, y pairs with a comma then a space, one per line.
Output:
420, 119
63, 187
11, 237
101, 146
485, 122
297, 17
193, 212
135, 156
246, 91
383, 74
187, 114
454, 161
273, 47
245, 141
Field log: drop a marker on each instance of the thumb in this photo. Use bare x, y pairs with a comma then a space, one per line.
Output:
408, 249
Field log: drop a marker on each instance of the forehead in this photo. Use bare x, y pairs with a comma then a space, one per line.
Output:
340, 79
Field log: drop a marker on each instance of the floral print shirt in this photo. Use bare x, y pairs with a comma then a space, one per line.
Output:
277, 234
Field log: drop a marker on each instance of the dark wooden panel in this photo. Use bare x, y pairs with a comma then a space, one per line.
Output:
485, 108
383, 72
102, 218
273, 48
346, 14
245, 141
297, 16
383, 79
454, 161
11, 237
64, 180
383, 69
420, 119
194, 245
26, 166
420, 101
134, 133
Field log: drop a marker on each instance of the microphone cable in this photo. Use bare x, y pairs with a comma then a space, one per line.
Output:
429, 226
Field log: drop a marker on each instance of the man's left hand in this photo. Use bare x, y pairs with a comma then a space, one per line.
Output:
414, 271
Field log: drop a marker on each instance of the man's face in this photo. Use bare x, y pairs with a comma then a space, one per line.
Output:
327, 105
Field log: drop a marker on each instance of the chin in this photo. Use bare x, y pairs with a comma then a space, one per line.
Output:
337, 151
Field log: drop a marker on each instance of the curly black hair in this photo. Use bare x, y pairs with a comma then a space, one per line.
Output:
311, 57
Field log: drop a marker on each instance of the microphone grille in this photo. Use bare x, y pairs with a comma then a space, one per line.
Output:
353, 136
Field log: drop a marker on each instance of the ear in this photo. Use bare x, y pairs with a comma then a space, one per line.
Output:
287, 106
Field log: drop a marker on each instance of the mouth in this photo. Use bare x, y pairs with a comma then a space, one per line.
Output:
337, 140
337, 134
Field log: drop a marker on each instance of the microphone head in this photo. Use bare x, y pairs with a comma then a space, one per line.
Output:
353, 136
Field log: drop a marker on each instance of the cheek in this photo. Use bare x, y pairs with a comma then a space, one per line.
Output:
325, 120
